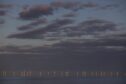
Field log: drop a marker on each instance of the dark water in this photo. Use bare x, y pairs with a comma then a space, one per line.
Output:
63, 81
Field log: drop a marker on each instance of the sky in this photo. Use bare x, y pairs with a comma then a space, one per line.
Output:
21, 26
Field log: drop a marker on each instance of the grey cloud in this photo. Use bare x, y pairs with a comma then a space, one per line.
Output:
33, 24
2, 21
71, 14
72, 5
97, 25
90, 27
3, 5
38, 33
25, 27
66, 5
35, 12
62, 28
3, 12
109, 6
72, 47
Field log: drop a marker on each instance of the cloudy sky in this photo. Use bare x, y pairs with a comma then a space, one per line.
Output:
48, 22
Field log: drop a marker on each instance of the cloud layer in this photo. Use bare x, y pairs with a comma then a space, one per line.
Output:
63, 27
66, 24
49, 9
38, 33
33, 24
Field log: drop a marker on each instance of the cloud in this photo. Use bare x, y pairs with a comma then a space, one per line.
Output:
38, 22
72, 5
2, 12
71, 14
49, 9
2, 21
119, 48
89, 27
26, 35
74, 46
80, 5
10, 49
25, 27
62, 28
89, 5
33, 24
115, 39
36, 12
109, 6
18, 53
4, 6
77, 47
99, 43
90, 33
38, 33
65, 5
97, 25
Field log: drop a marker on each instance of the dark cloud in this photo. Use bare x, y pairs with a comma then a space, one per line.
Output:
25, 27
39, 22
71, 14
38, 33
62, 22
65, 5
109, 6
36, 12
2, 12
89, 5
72, 5
9, 48
17, 49
79, 5
62, 27
33, 24
90, 27
2, 21
101, 43
97, 25
3, 6
112, 42
120, 35
26, 35
95, 28
44, 10
73, 46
